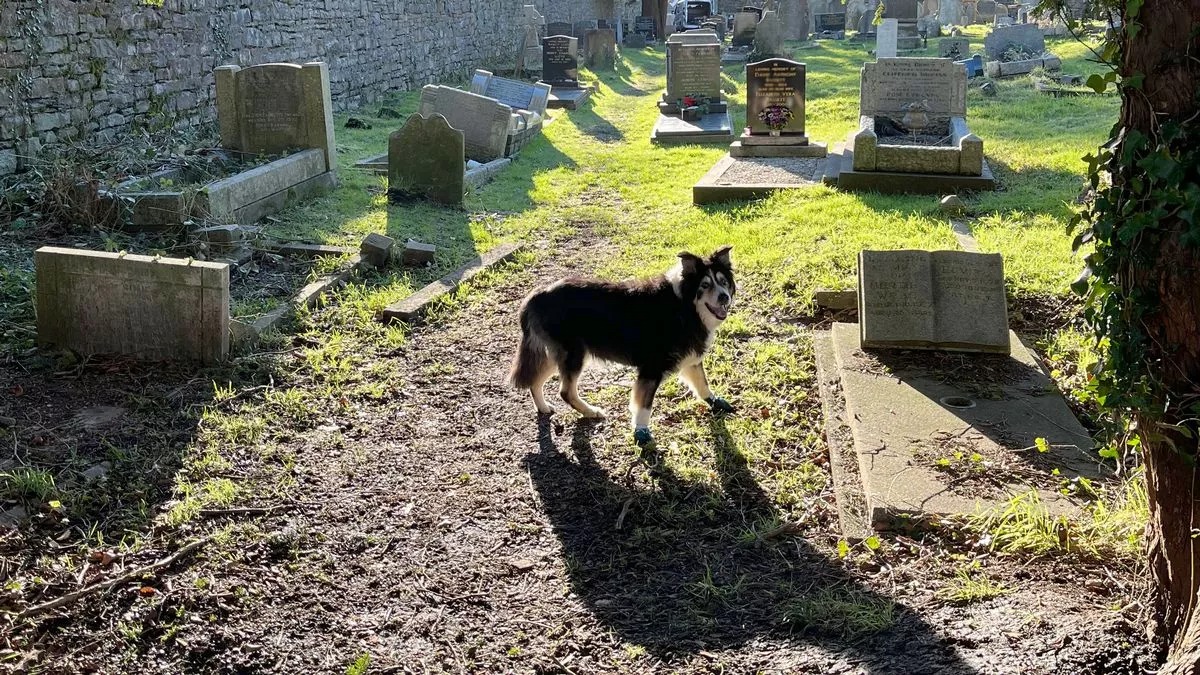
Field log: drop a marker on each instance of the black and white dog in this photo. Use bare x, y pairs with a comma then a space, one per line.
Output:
658, 326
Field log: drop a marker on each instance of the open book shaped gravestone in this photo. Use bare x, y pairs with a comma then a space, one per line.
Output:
949, 300
274, 109
527, 100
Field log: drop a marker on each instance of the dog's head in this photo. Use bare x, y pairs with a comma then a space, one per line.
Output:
708, 282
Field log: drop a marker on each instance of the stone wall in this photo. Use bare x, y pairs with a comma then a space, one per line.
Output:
101, 69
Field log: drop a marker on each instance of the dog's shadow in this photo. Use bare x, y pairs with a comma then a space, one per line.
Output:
682, 566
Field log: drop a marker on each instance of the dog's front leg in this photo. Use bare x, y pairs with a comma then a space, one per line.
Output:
693, 375
640, 402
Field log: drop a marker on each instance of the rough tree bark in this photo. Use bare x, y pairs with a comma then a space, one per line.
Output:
1166, 50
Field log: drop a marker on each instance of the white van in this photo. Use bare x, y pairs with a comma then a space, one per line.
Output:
687, 14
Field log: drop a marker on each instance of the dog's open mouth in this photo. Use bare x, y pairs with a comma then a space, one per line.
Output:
719, 312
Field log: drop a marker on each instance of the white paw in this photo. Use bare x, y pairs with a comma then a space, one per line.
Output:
545, 410
593, 413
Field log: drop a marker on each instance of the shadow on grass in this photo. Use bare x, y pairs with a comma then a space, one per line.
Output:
683, 568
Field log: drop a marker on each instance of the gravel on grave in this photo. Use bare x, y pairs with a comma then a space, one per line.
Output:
772, 170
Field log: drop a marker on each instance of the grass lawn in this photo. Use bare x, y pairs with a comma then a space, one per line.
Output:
263, 430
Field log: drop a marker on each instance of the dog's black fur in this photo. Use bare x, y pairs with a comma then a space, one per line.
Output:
654, 325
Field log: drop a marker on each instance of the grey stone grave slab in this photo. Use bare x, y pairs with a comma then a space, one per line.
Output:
425, 160
906, 415
485, 122
886, 36
148, 307
950, 300
737, 178
714, 128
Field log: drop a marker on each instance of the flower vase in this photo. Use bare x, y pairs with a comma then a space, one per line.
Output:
774, 132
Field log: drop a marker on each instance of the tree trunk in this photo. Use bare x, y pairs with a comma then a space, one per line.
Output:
1165, 50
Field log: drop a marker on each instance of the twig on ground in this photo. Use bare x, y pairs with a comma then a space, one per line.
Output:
247, 510
782, 530
105, 585
624, 512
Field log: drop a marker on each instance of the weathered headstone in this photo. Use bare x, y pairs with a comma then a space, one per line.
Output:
795, 15
768, 35
426, 160
744, 24
560, 61
889, 86
1025, 36
950, 12
832, 23
513, 93
484, 122
886, 36
693, 66
985, 11
644, 25
276, 108
775, 97
954, 48
901, 9
582, 27
149, 307
932, 300
558, 28
531, 42
601, 48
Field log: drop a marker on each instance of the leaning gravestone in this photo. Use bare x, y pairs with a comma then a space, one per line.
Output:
276, 108
484, 122
950, 300
148, 307
518, 95
426, 160
886, 35
954, 48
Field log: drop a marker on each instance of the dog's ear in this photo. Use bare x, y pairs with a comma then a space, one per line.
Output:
690, 263
721, 256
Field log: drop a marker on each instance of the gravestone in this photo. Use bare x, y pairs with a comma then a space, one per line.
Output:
950, 12
582, 27
775, 112
513, 93
149, 307
558, 28
886, 36
276, 108
952, 300
644, 25
1027, 36
889, 86
694, 89
601, 48
768, 35
985, 11
426, 160
560, 61
770, 85
693, 66
795, 15
954, 48
744, 24
484, 122
833, 23
531, 44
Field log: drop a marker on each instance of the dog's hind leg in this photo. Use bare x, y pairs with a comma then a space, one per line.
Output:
539, 382
641, 399
570, 365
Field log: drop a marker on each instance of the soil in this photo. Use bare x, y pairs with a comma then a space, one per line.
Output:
894, 132
197, 169
446, 528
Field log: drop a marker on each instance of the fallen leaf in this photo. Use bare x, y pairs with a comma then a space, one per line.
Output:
147, 590
16, 390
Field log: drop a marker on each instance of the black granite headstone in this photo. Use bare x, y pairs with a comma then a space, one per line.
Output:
775, 96
560, 61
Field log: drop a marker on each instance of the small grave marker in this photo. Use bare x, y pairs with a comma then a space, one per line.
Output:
425, 159
949, 300
886, 36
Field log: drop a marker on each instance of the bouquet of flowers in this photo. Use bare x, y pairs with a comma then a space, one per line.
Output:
775, 116
694, 100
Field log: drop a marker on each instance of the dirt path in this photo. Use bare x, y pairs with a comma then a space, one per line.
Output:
447, 530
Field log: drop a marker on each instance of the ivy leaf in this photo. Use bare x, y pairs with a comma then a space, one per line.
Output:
872, 543
843, 548
1097, 83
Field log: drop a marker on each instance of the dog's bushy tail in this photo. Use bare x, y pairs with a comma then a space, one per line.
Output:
532, 357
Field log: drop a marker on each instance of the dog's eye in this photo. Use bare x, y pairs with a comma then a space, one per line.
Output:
705, 284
